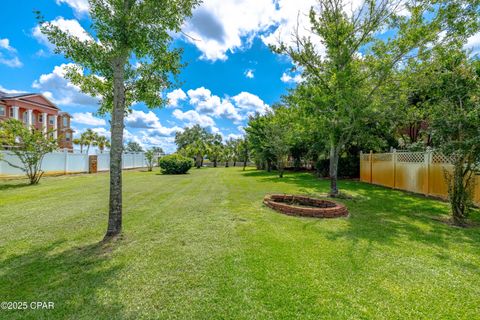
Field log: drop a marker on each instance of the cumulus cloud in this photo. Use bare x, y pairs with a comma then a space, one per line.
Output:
80, 7
249, 73
8, 54
12, 91
88, 118
149, 120
212, 105
60, 90
192, 117
248, 102
288, 78
71, 26
175, 97
473, 43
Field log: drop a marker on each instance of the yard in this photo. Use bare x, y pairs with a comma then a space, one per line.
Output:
203, 246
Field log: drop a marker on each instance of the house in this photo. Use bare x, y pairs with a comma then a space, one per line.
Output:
37, 112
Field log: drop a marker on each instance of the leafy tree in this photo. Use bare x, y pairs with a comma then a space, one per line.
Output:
341, 84
158, 150
150, 156
453, 86
194, 142
215, 149
29, 145
133, 146
128, 59
278, 136
258, 142
243, 151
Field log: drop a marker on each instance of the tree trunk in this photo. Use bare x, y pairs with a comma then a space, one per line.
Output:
198, 161
234, 163
244, 164
226, 164
333, 170
269, 166
215, 163
116, 149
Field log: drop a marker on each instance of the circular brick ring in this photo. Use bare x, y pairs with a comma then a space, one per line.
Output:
305, 206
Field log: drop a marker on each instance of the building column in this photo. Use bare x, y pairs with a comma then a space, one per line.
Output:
55, 127
30, 118
45, 122
15, 112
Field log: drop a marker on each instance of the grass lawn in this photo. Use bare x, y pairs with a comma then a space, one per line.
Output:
202, 246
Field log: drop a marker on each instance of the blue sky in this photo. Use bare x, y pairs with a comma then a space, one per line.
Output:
231, 72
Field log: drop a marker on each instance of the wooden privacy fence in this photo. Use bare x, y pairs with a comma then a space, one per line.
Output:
419, 172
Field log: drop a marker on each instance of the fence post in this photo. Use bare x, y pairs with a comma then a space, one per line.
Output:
65, 169
361, 160
371, 166
428, 160
394, 159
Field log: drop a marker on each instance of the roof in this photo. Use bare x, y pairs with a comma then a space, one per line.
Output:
4, 95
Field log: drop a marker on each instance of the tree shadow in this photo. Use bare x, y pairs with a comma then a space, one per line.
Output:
15, 185
385, 217
80, 281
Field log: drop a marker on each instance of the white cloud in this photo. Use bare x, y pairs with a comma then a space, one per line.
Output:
212, 105
473, 43
88, 118
192, 117
249, 73
11, 91
220, 26
61, 91
8, 54
248, 102
80, 7
151, 122
71, 26
175, 96
287, 78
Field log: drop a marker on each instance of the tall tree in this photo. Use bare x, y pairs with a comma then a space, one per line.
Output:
128, 59
194, 142
133, 146
341, 81
102, 142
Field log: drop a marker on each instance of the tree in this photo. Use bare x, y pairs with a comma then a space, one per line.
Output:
215, 149
277, 134
158, 150
89, 137
29, 145
243, 151
81, 142
233, 144
128, 59
453, 83
102, 142
340, 83
150, 156
194, 143
133, 146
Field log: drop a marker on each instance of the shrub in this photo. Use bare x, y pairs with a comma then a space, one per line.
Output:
175, 164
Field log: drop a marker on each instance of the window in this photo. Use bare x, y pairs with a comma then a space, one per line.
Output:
25, 117
65, 121
2, 111
51, 120
33, 118
11, 112
67, 136
40, 118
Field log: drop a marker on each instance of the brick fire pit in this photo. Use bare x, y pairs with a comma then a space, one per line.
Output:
305, 206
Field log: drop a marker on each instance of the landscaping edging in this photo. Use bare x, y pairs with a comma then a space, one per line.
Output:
305, 206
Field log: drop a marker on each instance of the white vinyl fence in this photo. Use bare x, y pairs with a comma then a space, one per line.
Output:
68, 162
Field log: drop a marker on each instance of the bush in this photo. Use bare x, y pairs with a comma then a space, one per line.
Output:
175, 164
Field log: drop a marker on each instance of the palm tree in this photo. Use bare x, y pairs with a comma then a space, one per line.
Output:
90, 138
81, 142
102, 142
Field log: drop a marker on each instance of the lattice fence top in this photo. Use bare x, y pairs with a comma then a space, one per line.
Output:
415, 157
440, 158
382, 157
365, 157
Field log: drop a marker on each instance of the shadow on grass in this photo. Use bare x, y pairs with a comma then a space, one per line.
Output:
7, 186
73, 279
381, 215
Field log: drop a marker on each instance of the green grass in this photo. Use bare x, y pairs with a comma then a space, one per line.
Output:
202, 246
